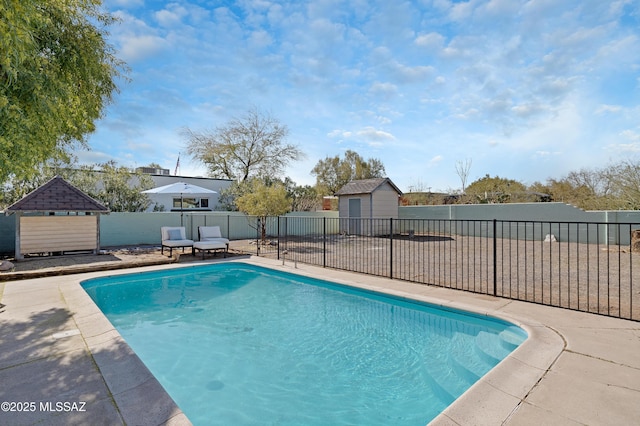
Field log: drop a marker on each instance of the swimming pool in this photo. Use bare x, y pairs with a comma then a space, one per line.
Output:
234, 343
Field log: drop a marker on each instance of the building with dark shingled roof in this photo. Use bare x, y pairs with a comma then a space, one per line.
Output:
57, 218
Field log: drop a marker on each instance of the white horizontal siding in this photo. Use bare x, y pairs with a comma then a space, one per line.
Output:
40, 234
385, 201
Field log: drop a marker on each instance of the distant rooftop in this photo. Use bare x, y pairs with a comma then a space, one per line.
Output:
152, 171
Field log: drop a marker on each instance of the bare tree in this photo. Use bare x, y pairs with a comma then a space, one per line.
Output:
462, 170
250, 146
624, 179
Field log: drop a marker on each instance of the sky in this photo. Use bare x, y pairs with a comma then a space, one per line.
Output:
520, 89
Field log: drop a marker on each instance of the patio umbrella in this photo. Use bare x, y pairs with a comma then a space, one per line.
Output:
180, 188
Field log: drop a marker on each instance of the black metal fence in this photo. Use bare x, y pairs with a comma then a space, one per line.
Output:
584, 266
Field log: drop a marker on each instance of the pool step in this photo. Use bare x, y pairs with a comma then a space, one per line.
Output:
445, 381
511, 338
468, 361
489, 348
455, 371
470, 358
464, 369
437, 382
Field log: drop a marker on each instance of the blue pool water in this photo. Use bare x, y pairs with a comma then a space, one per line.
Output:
234, 343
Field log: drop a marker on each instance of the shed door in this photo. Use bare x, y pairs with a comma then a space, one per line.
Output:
355, 213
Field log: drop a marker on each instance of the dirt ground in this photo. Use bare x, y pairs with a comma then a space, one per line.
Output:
107, 259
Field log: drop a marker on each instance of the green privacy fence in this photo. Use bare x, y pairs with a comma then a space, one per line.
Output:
127, 229
131, 229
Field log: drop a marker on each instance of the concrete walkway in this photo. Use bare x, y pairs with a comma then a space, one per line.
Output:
62, 362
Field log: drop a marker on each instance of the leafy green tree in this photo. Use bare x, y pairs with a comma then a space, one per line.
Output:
16, 187
303, 198
333, 173
57, 74
114, 186
563, 190
264, 200
121, 190
228, 196
494, 189
250, 146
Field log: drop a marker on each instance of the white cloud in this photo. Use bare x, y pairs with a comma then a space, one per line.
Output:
406, 74
613, 109
326, 32
631, 135
624, 148
375, 136
384, 90
545, 154
93, 157
368, 134
136, 48
499, 9
435, 161
461, 11
530, 109
338, 133
432, 41
136, 39
171, 16
532, 78
260, 39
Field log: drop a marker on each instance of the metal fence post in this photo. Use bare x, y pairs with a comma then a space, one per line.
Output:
258, 236
324, 242
391, 248
495, 258
278, 249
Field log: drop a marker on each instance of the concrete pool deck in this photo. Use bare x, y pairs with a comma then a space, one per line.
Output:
62, 362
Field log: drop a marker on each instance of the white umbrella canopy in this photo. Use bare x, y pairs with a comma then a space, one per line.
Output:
181, 189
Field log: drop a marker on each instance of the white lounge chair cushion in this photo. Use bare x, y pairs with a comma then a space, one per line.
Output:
209, 245
177, 243
211, 233
174, 236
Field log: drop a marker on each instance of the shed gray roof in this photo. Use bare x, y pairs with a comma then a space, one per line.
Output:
57, 195
365, 186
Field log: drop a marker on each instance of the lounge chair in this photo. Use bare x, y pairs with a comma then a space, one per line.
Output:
211, 239
211, 233
174, 237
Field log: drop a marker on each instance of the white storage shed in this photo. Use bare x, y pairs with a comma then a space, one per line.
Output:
364, 204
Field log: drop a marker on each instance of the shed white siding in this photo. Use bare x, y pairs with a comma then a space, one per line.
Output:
385, 202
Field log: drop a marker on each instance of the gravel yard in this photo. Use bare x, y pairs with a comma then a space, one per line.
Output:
587, 277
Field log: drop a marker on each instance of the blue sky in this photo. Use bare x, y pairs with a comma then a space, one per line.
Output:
526, 90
